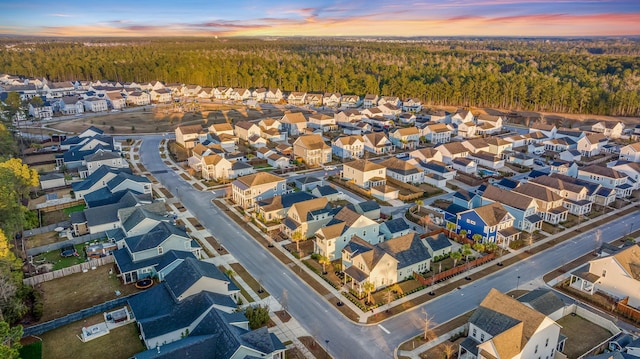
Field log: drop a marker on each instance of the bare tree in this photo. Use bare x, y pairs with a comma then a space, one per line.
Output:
285, 300
448, 350
428, 325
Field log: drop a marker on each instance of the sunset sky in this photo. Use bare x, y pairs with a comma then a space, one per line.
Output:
321, 18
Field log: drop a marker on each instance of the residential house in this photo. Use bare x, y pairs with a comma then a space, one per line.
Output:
438, 169
192, 311
468, 200
437, 133
609, 129
246, 129
259, 94
323, 122
215, 167
393, 228
116, 101
390, 111
631, 152
412, 105
502, 327
403, 171
615, 274
519, 158
278, 161
498, 146
488, 125
329, 192
70, 105
101, 218
385, 263
392, 100
247, 189
370, 101
631, 169
569, 168
523, 208
331, 99
348, 117
405, 138
464, 165
462, 117
348, 147
592, 145
273, 95
377, 143
138, 98
467, 129
487, 159
570, 155
492, 222
549, 204
407, 118
426, 154
294, 123
350, 101
306, 217
548, 130
205, 93
187, 136
575, 197
307, 183
297, 98
313, 99
104, 158
452, 150
607, 177
364, 173
312, 150
240, 94
346, 223
276, 208
52, 180
95, 104
163, 95
191, 90
597, 193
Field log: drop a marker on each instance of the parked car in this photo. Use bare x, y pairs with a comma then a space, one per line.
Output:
329, 168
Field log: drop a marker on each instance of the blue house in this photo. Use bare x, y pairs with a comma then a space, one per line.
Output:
488, 221
466, 199
521, 207
192, 315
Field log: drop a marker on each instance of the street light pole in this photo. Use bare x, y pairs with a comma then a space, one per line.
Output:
518, 283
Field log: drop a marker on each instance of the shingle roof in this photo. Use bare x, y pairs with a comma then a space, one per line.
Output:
259, 178
326, 190
492, 213
509, 198
396, 225
364, 165
542, 300
189, 272
154, 237
407, 249
399, 166
602, 171
438, 242
537, 192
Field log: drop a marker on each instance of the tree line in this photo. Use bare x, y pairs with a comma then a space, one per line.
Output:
597, 76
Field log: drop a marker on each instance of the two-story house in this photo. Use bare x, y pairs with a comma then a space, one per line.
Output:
492, 221
575, 197
405, 138
254, 187
293, 123
630, 152
187, 136
348, 147
312, 150
245, 129
403, 171
437, 133
307, 217
549, 204
451, 151
346, 223
592, 145
521, 207
364, 173
607, 177
377, 143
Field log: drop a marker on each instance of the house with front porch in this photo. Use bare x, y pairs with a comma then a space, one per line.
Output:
411, 104
297, 98
348, 147
364, 173
616, 275
574, 197
331, 99
138, 98
591, 145
522, 208
346, 223
549, 204
405, 138
163, 95
254, 187
370, 100
307, 217
487, 160
488, 124
350, 101
377, 143
246, 129
276, 208
385, 263
426, 154
273, 95
503, 327
312, 150
569, 168
607, 177
313, 99
188, 136
293, 123
215, 167
609, 129
70, 105
116, 101
95, 104
492, 222
597, 194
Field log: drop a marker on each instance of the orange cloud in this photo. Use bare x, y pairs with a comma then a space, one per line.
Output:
377, 24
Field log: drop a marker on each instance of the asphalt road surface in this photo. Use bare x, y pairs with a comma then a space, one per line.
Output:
342, 338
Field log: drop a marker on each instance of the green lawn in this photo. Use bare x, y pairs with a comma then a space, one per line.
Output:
59, 262
78, 208
31, 351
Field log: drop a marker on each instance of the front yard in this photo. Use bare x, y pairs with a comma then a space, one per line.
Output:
78, 291
63, 342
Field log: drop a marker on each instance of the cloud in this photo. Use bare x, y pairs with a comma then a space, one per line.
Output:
60, 15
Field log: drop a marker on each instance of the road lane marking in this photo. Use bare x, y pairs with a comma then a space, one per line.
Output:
384, 329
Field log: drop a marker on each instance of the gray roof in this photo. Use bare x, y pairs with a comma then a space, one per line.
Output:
308, 179
396, 225
154, 237
189, 272
367, 206
406, 255
138, 215
102, 156
491, 321
51, 176
125, 264
542, 300
438, 242
325, 190
123, 176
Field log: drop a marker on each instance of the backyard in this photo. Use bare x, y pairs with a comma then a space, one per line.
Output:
63, 342
582, 335
57, 261
78, 291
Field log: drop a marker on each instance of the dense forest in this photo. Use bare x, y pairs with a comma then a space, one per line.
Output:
597, 76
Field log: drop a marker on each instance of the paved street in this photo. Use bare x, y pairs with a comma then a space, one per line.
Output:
342, 338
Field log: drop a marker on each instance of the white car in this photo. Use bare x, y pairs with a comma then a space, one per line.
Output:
329, 168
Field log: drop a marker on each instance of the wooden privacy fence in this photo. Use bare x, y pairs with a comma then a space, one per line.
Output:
86, 266
628, 311
454, 271
59, 206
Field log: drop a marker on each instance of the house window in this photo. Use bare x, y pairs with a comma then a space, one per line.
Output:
535, 351
546, 342
482, 337
474, 332
604, 273
160, 250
